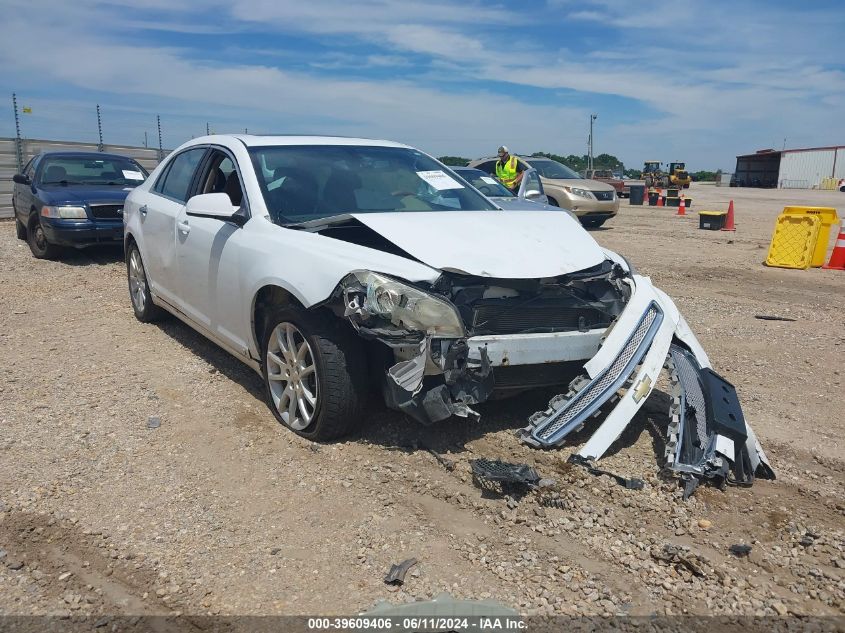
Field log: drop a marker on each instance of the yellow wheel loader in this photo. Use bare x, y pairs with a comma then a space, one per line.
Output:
653, 175
679, 176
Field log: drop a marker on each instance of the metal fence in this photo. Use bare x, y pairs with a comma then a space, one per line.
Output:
147, 156
794, 184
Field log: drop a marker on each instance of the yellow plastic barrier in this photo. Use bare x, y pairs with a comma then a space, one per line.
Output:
828, 217
794, 241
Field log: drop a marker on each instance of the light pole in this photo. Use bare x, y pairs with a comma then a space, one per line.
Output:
593, 117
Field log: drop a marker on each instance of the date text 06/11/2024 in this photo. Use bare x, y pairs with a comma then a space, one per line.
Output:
428, 624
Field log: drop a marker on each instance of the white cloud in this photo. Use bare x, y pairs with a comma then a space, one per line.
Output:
727, 79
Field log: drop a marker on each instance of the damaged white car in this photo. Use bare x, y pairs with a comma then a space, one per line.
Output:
337, 266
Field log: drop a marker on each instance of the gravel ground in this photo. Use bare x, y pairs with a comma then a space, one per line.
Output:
219, 510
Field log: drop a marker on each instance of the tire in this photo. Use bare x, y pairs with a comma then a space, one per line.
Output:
37, 240
139, 289
553, 202
593, 224
20, 229
337, 380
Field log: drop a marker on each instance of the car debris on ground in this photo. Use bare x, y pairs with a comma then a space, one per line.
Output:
397, 573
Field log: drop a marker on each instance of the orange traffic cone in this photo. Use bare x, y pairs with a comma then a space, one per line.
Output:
659, 197
682, 208
729, 222
837, 257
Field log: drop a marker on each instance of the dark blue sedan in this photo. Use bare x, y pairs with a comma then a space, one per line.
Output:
73, 199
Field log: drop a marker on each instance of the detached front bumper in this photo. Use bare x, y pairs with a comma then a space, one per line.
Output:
708, 435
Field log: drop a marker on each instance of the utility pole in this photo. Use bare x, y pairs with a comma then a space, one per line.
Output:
207, 129
593, 117
100, 147
18, 143
145, 139
158, 125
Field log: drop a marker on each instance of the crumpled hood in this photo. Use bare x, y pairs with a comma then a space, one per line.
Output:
501, 244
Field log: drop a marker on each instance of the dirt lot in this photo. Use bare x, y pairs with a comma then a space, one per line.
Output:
222, 511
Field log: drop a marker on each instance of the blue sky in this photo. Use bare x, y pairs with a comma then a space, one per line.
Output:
686, 80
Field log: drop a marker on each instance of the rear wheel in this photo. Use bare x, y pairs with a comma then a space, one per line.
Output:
139, 289
20, 229
37, 240
315, 373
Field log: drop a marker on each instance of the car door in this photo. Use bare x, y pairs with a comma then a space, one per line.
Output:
208, 255
531, 188
158, 221
23, 198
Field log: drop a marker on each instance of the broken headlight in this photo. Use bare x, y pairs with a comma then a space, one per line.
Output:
374, 296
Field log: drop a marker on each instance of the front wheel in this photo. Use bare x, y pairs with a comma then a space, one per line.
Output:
139, 289
593, 224
553, 202
20, 229
37, 240
315, 374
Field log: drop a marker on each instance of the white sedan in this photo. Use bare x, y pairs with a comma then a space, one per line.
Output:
338, 266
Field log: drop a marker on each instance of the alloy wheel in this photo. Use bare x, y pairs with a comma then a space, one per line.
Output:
137, 281
292, 376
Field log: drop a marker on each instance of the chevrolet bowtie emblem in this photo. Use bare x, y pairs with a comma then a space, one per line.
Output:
642, 388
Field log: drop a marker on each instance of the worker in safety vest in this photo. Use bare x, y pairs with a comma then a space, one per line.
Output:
508, 169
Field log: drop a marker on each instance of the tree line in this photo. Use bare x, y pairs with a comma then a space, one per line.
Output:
579, 163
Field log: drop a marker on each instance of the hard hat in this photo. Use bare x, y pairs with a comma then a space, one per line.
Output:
503, 149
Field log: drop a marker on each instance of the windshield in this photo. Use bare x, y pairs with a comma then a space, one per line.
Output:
553, 169
91, 170
309, 182
487, 185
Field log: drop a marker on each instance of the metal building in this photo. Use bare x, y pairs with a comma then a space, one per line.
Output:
808, 168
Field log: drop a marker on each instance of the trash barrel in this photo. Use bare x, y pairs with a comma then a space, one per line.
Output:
637, 194
652, 198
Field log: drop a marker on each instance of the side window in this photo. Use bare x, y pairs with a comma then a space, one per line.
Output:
488, 167
176, 182
222, 177
29, 170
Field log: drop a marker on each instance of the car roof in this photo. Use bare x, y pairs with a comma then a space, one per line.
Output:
265, 140
79, 154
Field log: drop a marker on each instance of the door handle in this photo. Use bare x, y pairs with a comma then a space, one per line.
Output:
143, 210
184, 227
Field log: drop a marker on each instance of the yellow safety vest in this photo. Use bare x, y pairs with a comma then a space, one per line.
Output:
507, 172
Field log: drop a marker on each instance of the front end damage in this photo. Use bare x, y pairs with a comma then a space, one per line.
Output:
459, 341
708, 437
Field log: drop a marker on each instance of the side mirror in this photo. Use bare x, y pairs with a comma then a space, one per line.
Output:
532, 193
21, 179
217, 206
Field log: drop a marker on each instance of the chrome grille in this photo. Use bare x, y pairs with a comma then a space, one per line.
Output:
693, 395
604, 195
107, 211
590, 398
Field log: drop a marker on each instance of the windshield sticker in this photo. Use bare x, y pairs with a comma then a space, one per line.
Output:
439, 180
131, 174
489, 181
